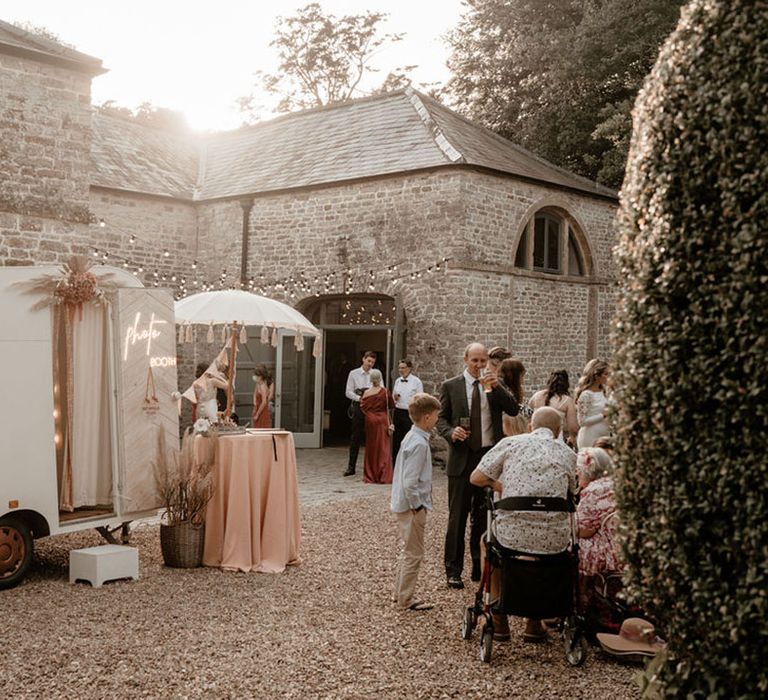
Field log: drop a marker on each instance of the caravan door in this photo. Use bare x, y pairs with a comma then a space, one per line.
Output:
145, 358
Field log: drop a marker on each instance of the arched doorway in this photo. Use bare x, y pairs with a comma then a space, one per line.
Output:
352, 324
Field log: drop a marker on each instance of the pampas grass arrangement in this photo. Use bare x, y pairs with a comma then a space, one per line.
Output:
184, 483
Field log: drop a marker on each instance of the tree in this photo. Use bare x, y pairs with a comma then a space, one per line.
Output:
323, 59
559, 76
147, 114
691, 380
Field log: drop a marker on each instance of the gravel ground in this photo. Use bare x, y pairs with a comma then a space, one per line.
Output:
325, 628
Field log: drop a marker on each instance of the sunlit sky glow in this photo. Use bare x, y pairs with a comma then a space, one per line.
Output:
199, 57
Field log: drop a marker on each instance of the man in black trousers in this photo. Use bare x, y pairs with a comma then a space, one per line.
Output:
357, 382
470, 420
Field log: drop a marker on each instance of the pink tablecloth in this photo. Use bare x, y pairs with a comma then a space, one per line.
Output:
252, 521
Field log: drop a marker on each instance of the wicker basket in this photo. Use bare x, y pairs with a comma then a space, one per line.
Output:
182, 544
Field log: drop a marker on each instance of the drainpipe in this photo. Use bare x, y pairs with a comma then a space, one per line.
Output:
247, 205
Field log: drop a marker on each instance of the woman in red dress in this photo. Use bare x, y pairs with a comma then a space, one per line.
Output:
376, 405
260, 417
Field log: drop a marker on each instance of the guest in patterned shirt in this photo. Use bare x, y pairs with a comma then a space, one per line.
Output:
532, 464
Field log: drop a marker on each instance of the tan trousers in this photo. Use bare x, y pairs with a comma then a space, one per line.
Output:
411, 530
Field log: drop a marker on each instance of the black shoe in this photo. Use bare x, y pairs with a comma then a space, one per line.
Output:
350, 471
475, 570
455, 582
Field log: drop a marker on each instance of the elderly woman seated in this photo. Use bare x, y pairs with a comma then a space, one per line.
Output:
596, 519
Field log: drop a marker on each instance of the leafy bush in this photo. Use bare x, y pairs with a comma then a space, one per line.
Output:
691, 352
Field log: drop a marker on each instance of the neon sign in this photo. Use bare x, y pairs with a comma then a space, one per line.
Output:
134, 334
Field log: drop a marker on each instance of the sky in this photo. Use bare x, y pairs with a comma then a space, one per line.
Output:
198, 57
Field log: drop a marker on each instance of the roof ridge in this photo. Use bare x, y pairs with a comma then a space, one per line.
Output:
518, 147
45, 45
440, 139
308, 110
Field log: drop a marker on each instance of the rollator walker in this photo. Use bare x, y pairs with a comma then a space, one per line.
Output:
537, 586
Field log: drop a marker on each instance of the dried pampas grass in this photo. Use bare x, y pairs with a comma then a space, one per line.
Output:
185, 483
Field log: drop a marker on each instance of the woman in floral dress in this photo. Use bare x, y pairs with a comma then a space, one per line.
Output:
597, 552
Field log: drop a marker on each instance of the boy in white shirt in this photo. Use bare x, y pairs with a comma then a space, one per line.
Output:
412, 498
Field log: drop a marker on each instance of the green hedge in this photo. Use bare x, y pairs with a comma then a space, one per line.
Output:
691, 340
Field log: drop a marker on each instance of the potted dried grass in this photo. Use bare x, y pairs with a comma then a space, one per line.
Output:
186, 485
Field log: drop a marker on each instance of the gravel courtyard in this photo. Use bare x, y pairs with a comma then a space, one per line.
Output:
325, 628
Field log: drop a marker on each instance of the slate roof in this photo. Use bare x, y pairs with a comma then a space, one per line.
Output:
17, 41
394, 133
129, 156
381, 135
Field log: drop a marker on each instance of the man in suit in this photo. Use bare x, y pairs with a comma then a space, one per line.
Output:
470, 420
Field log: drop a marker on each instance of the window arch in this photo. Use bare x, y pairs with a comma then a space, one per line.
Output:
550, 244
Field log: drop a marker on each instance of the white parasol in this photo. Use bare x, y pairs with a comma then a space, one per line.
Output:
237, 308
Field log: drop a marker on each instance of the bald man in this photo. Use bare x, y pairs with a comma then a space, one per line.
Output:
532, 464
470, 420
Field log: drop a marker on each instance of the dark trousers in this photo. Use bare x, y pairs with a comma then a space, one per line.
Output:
464, 500
403, 424
357, 437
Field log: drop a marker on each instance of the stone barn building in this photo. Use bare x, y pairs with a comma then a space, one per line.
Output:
392, 222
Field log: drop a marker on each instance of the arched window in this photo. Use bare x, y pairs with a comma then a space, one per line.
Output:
549, 245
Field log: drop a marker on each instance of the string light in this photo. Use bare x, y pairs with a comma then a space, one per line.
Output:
346, 281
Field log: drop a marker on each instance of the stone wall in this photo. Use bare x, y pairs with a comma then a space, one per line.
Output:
45, 142
364, 226
220, 226
158, 224
554, 321
414, 220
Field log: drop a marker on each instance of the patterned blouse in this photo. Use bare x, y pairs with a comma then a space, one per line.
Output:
532, 464
597, 553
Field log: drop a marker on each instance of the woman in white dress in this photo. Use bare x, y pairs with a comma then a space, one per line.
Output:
591, 403
205, 392
557, 395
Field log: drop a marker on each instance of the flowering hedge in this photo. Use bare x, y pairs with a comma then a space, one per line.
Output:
692, 352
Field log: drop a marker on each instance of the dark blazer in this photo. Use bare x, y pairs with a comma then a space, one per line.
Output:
454, 405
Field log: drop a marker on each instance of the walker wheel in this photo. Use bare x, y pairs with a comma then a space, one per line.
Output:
574, 642
468, 622
576, 654
486, 644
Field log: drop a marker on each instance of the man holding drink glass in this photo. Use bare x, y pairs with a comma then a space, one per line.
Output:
470, 420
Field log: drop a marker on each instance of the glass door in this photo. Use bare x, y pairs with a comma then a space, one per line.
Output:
298, 390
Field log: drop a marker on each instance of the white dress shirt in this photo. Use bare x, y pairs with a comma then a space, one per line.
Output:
357, 379
406, 388
485, 409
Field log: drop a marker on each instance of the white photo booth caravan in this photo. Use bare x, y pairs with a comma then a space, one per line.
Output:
89, 357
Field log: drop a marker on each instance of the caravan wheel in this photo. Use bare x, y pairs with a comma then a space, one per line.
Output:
15, 551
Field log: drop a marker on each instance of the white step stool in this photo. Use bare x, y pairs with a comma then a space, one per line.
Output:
105, 563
